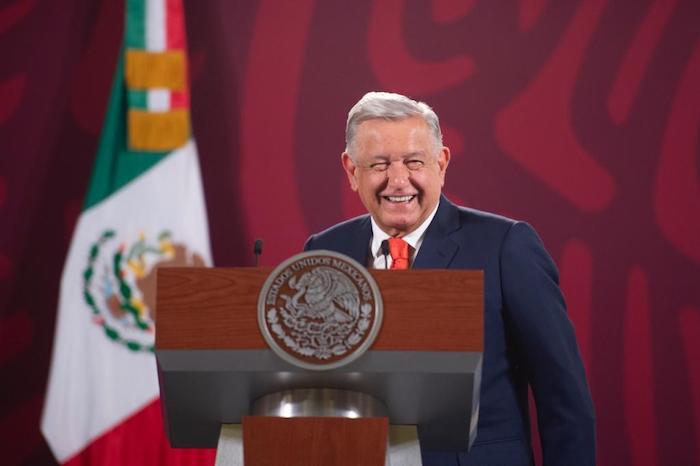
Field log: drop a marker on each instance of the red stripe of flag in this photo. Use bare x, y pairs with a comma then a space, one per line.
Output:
175, 39
140, 440
174, 25
179, 99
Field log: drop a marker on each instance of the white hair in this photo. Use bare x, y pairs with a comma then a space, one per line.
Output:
392, 107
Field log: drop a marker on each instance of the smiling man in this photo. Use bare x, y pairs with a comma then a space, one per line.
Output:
398, 168
395, 160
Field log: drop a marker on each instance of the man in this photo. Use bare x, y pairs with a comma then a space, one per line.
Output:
395, 160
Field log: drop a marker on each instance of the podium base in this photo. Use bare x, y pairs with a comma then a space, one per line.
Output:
229, 451
403, 448
308, 427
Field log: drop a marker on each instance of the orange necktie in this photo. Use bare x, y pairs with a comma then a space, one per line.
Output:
398, 249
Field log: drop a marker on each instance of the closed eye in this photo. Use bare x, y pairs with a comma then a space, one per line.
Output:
414, 164
379, 166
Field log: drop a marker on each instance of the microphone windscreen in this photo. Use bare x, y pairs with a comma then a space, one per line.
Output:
385, 247
257, 247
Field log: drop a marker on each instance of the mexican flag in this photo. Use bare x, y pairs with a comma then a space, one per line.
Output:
144, 209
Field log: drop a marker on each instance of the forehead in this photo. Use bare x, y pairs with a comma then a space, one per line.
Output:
409, 135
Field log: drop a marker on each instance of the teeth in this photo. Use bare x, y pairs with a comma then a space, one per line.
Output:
400, 198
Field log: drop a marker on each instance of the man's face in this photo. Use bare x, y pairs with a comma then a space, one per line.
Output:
397, 171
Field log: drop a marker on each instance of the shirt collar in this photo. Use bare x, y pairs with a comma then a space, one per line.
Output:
414, 238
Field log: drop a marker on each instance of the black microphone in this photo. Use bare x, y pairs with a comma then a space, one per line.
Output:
385, 252
257, 250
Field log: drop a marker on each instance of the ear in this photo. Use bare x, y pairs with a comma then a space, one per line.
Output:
443, 162
350, 170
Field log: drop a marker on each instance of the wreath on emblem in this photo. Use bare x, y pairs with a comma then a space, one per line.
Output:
117, 291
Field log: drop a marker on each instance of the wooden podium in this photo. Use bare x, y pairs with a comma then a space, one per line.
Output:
424, 367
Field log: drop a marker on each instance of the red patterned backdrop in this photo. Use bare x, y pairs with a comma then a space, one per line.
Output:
581, 117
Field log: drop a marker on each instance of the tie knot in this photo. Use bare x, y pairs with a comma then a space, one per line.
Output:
398, 249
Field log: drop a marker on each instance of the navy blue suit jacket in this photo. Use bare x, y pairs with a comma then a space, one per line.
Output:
529, 340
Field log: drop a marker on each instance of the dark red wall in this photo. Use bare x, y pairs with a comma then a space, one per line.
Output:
581, 117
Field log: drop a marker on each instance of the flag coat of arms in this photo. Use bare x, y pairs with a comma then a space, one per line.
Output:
144, 209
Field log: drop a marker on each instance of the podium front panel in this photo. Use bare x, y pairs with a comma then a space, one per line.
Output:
425, 365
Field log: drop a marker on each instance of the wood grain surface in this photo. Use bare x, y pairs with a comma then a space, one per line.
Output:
314, 441
216, 308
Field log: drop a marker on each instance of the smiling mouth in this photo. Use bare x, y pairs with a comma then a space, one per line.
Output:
399, 199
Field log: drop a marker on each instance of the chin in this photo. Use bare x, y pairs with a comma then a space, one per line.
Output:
402, 226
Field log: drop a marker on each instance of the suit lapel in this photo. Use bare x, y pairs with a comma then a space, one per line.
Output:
438, 250
358, 246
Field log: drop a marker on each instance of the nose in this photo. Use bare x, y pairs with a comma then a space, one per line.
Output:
398, 174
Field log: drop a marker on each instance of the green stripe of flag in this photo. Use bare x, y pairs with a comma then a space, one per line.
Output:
115, 164
135, 31
138, 99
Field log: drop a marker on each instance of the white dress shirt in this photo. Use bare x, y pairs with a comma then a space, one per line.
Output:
414, 239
